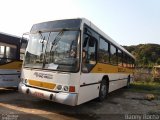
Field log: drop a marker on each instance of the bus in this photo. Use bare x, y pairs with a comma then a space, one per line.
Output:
12, 49
72, 61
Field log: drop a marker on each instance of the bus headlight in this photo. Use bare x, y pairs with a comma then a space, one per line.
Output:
59, 87
24, 81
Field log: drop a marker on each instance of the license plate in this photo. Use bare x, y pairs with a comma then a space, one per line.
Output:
38, 94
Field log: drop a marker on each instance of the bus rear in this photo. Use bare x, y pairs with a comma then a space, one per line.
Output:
10, 63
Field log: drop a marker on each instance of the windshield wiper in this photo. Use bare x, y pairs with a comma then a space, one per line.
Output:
57, 39
43, 38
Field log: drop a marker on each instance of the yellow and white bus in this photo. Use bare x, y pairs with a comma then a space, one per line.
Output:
72, 61
11, 48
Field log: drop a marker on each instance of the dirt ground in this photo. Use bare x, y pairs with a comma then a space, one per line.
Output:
118, 106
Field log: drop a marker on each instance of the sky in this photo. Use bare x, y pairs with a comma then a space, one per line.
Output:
128, 22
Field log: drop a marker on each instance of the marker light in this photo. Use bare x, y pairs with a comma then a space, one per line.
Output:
71, 88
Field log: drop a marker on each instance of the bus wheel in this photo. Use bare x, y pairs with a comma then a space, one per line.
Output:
103, 90
128, 82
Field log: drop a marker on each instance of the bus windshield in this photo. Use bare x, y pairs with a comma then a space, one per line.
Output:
53, 50
7, 53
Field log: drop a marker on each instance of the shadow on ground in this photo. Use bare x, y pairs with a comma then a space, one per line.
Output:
85, 111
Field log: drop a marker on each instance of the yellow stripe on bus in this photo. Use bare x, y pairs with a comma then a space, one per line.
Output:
12, 65
107, 68
42, 84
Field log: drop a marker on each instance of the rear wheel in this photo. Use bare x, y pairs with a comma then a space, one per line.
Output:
103, 90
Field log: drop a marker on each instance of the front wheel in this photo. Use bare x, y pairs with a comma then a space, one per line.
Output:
103, 90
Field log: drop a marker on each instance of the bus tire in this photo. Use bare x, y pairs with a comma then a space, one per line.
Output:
15, 88
128, 82
103, 91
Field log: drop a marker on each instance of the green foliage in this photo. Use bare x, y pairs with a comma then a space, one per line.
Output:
158, 61
147, 55
146, 87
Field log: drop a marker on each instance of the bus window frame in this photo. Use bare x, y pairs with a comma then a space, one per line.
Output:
115, 64
108, 50
90, 30
120, 64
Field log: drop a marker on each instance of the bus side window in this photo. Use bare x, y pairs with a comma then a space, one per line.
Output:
103, 54
120, 57
113, 55
7, 53
88, 53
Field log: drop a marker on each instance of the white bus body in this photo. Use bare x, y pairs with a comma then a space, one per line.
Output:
63, 80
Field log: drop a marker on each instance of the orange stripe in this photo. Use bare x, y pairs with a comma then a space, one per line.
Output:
107, 68
42, 84
12, 65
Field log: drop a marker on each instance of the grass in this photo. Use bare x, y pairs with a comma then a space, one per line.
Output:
146, 87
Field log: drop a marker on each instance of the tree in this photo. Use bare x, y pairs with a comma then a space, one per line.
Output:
145, 54
158, 61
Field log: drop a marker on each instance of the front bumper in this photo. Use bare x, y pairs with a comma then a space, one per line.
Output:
61, 97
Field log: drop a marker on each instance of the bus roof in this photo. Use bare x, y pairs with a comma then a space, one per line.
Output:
10, 39
56, 25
